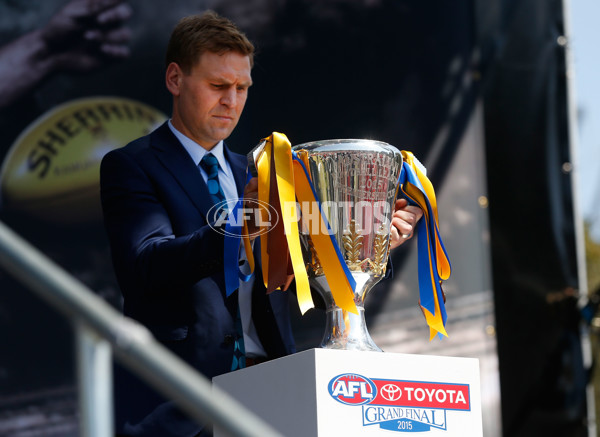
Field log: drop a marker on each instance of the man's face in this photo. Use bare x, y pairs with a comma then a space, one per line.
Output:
209, 100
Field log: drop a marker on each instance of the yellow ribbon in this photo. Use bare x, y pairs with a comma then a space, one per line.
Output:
334, 273
292, 184
263, 167
279, 149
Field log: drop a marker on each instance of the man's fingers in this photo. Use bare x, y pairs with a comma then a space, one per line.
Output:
395, 239
418, 212
409, 214
403, 227
401, 203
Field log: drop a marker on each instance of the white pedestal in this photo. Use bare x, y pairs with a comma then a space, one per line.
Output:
327, 393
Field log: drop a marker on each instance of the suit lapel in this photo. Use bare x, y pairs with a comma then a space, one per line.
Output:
179, 163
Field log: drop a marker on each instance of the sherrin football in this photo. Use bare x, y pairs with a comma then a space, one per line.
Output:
52, 170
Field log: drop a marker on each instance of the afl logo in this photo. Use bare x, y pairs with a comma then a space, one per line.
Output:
391, 392
352, 389
231, 214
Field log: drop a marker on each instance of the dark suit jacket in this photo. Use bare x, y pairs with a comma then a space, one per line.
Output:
169, 265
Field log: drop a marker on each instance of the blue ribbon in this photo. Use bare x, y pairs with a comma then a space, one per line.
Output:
426, 245
231, 250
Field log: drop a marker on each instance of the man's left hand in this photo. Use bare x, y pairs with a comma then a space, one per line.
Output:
404, 220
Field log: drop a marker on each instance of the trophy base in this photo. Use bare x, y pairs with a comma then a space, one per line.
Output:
348, 331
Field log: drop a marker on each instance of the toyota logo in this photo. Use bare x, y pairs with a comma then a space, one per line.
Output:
391, 392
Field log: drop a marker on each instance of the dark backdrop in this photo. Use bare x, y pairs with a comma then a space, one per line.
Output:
532, 221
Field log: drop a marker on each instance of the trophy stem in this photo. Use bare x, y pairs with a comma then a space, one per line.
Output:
345, 330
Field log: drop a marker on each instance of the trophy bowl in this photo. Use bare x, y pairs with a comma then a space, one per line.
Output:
356, 184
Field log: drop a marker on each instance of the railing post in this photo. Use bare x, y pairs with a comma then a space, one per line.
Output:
94, 371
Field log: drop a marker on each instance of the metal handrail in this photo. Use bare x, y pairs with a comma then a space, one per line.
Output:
100, 330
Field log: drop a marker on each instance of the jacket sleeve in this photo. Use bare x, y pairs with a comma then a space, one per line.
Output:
147, 256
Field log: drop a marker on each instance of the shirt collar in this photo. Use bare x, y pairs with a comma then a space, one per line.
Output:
197, 152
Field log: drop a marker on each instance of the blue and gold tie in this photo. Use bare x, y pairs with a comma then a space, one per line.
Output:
210, 165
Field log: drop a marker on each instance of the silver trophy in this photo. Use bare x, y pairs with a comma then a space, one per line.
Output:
356, 183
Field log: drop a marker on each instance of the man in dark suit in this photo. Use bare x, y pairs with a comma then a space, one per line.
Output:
156, 195
168, 260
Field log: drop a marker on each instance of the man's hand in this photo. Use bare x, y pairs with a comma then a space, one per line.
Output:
404, 220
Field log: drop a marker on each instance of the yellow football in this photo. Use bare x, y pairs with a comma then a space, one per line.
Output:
52, 170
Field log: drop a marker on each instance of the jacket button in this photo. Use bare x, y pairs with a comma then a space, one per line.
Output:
228, 340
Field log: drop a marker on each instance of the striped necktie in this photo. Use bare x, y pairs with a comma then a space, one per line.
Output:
211, 166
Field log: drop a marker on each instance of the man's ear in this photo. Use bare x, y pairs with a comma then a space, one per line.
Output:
173, 78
